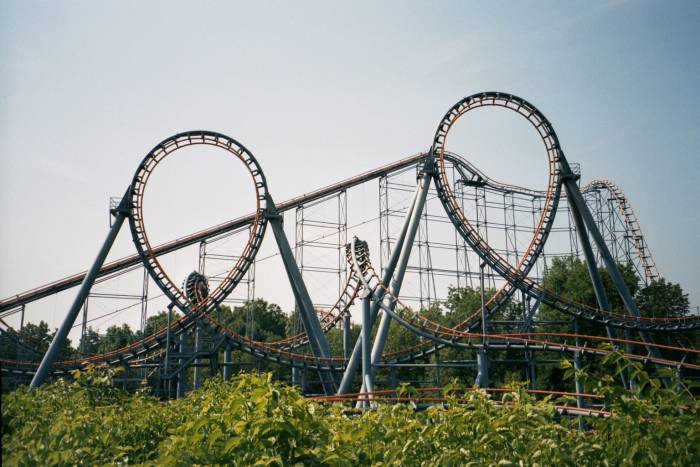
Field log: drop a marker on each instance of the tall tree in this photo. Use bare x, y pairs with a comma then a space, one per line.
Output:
663, 299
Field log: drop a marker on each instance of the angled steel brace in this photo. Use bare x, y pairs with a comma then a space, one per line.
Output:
367, 377
596, 280
312, 326
414, 221
354, 361
120, 213
576, 199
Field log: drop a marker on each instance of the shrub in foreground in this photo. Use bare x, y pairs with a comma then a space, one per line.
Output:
254, 420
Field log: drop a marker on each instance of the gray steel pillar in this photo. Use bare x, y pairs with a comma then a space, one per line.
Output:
579, 387
57, 342
354, 361
575, 197
530, 368
228, 368
197, 349
482, 366
317, 339
596, 280
393, 380
166, 364
385, 321
346, 335
482, 293
182, 374
438, 381
366, 344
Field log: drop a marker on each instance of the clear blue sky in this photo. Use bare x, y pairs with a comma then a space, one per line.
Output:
323, 90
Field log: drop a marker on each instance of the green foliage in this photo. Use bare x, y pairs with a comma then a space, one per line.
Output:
661, 299
155, 323
252, 420
569, 277
256, 319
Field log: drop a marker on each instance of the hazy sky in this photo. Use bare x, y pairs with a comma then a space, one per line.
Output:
320, 91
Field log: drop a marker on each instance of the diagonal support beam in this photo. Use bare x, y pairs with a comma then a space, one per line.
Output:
312, 326
398, 264
414, 221
354, 361
579, 206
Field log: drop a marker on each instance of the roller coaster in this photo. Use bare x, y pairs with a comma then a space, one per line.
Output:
602, 229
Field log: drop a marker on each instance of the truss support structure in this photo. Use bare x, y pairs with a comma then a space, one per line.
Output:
120, 214
399, 261
312, 326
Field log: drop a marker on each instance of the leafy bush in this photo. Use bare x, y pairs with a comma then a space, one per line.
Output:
253, 420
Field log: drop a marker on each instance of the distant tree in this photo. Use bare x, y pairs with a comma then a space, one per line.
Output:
37, 335
115, 338
157, 322
569, 278
256, 319
663, 299
8, 346
89, 343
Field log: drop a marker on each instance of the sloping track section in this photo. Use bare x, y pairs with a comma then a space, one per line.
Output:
598, 192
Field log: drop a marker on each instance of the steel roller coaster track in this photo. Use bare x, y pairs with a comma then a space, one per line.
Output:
379, 301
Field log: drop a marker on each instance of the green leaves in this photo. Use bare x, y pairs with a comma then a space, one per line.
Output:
252, 420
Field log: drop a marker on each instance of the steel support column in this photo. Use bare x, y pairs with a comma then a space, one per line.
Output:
366, 344
385, 320
312, 326
346, 335
166, 364
576, 199
354, 361
578, 386
182, 374
197, 349
482, 365
228, 363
